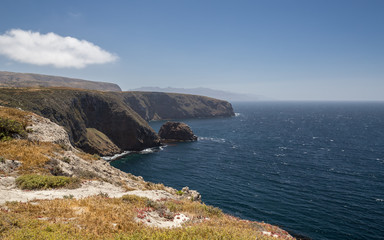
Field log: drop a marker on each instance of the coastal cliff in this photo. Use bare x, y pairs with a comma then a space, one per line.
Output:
107, 123
97, 122
165, 106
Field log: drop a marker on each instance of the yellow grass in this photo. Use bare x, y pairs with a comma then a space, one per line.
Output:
87, 156
105, 218
32, 155
14, 114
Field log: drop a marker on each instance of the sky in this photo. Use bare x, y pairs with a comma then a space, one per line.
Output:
280, 49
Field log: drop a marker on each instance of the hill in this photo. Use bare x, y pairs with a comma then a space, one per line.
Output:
11, 79
164, 106
219, 94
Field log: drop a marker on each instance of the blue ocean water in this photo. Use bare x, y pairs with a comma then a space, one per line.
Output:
315, 169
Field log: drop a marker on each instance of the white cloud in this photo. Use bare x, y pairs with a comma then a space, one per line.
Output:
51, 49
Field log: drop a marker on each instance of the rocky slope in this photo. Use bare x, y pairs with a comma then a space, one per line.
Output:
97, 122
68, 161
11, 79
164, 106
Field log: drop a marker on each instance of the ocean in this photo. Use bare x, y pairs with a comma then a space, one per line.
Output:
315, 169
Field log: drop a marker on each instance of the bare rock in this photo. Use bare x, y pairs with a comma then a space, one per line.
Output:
191, 194
44, 130
176, 132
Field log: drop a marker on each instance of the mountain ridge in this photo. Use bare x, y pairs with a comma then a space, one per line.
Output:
14, 79
208, 92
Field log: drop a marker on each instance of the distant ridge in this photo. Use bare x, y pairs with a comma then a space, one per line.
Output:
224, 95
12, 79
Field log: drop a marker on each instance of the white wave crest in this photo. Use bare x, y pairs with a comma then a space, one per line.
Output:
116, 156
218, 140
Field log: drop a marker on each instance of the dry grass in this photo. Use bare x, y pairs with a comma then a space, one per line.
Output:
15, 114
32, 155
87, 156
105, 218
153, 186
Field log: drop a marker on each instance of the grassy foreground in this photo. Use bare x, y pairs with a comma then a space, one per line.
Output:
100, 217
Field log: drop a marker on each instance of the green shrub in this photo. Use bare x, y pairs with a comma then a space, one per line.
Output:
180, 192
9, 127
34, 181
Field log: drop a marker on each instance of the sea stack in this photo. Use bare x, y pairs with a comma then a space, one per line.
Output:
176, 132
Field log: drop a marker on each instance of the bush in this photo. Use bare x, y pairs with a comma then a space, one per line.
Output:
9, 127
34, 181
180, 192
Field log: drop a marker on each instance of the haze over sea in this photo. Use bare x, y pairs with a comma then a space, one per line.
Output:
313, 168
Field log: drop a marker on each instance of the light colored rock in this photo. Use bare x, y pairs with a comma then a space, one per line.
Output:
153, 219
44, 130
191, 194
153, 194
9, 166
9, 192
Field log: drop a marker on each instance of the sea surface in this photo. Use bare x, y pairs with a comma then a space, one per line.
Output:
313, 168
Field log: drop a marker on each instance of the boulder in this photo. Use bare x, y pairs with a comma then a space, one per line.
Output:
176, 132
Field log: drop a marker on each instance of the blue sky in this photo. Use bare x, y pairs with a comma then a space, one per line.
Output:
281, 49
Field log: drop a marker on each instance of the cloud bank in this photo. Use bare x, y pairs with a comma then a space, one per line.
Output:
51, 49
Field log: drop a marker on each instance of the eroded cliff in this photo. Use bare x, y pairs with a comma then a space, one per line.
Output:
164, 106
97, 122
107, 123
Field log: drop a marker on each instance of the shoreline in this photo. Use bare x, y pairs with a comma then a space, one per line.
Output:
126, 153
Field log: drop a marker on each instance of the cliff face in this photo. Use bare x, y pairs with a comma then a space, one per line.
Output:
97, 122
107, 123
164, 106
11, 79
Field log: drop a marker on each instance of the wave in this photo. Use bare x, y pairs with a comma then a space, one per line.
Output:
116, 156
151, 150
125, 153
237, 114
218, 140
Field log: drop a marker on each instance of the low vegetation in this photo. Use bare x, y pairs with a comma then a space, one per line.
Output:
35, 181
12, 123
100, 217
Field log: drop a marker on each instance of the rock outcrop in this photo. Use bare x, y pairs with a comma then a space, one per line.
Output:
167, 106
44, 130
12, 79
176, 132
